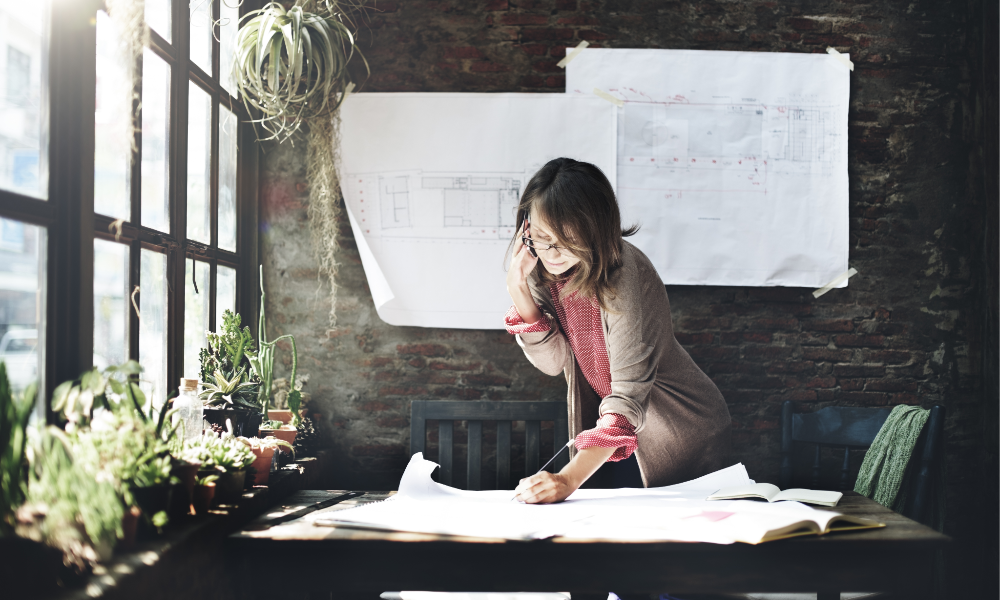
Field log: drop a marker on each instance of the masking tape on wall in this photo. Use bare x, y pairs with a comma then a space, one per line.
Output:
573, 54
847, 62
836, 281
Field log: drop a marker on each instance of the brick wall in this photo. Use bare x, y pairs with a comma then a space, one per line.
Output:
907, 330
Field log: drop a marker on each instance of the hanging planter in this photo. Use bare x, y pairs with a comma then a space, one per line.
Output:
291, 68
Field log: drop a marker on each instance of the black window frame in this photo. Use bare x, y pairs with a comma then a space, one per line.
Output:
68, 213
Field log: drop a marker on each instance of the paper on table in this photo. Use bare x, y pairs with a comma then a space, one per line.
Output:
739, 178
432, 181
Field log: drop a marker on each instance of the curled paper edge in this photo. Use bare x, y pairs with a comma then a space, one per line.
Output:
381, 292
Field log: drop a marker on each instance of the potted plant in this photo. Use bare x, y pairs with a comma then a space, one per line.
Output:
225, 457
263, 450
14, 414
204, 493
230, 383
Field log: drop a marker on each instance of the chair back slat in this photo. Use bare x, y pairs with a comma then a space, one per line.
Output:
933, 446
446, 443
474, 465
475, 412
532, 447
839, 426
503, 455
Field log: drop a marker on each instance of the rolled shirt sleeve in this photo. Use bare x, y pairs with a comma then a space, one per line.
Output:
612, 431
516, 325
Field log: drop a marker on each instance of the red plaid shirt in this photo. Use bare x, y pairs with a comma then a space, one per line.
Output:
580, 320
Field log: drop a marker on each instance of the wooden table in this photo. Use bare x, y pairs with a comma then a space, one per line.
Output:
898, 558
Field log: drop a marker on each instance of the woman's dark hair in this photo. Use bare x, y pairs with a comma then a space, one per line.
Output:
578, 202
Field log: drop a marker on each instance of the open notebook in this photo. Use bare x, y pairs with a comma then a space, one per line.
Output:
772, 493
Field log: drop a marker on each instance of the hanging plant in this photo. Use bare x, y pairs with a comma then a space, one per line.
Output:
291, 66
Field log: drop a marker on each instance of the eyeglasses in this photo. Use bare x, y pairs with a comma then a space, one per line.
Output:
540, 247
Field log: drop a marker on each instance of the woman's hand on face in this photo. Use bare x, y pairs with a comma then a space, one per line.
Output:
521, 266
544, 488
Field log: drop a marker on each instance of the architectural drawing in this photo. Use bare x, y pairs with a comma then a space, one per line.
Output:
736, 179
395, 199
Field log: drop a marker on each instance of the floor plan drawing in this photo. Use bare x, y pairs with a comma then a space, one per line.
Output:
473, 201
395, 199
735, 179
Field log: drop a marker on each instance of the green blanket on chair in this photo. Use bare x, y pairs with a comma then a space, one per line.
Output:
887, 474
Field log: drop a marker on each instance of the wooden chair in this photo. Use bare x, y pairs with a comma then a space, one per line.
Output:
475, 412
856, 428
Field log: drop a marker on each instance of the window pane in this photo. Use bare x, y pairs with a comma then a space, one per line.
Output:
158, 17
199, 176
196, 306
22, 301
155, 129
111, 120
229, 24
23, 130
225, 292
201, 34
227, 179
153, 324
110, 309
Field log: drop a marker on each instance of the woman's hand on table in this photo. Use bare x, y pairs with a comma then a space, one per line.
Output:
544, 488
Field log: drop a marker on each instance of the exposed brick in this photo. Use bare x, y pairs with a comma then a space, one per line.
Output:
473, 379
864, 398
859, 341
391, 390
438, 365
739, 337
827, 325
891, 385
546, 66
566, 5
714, 352
378, 450
590, 35
580, 20
496, 5
488, 67
522, 19
858, 370
889, 357
535, 49
432, 350
376, 406
774, 324
463, 52
392, 422
541, 34
689, 339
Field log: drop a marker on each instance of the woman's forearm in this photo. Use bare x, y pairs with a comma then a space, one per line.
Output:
525, 305
584, 464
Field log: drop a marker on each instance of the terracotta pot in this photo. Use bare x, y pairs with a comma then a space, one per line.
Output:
152, 500
229, 487
130, 524
262, 465
285, 416
202, 497
286, 433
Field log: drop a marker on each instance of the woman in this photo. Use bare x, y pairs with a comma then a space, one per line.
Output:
596, 310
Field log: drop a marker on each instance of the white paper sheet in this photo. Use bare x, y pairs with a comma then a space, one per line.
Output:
734, 163
679, 512
432, 182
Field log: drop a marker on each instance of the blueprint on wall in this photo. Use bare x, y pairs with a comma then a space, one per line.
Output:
432, 182
734, 163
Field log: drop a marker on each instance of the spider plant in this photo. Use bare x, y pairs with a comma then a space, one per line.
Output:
291, 65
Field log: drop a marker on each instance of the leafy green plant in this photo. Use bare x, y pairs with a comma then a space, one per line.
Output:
221, 453
207, 479
14, 414
290, 64
271, 424
76, 400
66, 506
227, 365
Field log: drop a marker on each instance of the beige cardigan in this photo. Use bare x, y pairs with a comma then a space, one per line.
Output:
681, 419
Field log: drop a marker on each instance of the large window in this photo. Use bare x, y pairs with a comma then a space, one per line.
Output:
136, 250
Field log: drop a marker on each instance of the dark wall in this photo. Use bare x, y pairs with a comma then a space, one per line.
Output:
917, 325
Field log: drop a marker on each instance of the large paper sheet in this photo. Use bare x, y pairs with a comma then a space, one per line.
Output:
432, 182
734, 163
672, 513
